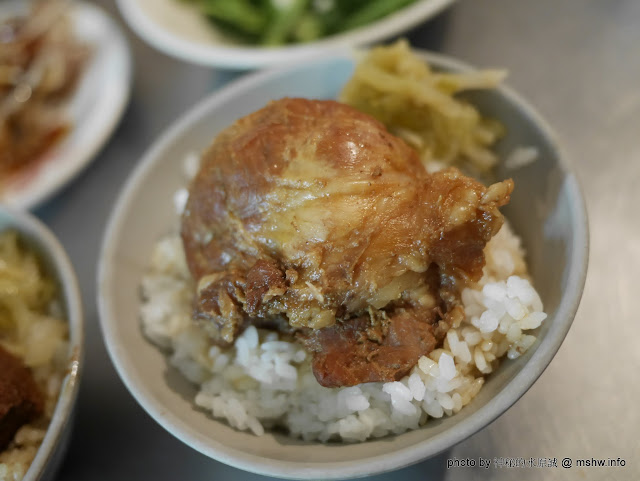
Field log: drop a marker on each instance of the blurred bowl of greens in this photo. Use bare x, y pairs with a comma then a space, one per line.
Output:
247, 34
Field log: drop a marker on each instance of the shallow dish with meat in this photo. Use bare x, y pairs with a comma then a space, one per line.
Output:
64, 82
328, 283
41, 62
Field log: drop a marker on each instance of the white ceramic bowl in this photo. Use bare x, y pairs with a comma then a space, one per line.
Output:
94, 108
547, 211
57, 265
177, 28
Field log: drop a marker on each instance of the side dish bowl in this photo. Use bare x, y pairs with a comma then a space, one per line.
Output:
179, 29
58, 266
547, 211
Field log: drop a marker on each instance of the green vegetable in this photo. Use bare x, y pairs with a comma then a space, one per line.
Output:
283, 21
278, 22
372, 11
309, 28
240, 14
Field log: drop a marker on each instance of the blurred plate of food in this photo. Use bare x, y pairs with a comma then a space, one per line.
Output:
257, 33
65, 73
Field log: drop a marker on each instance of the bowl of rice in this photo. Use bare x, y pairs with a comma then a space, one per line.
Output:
259, 404
41, 339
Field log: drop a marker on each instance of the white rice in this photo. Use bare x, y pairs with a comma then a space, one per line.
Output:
521, 157
264, 382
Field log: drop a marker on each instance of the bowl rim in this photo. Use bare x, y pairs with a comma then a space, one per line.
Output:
50, 248
422, 450
247, 57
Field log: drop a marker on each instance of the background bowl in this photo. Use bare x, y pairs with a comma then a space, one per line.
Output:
58, 266
547, 211
177, 28
94, 108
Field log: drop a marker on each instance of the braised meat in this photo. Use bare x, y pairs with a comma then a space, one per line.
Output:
310, 216
20, 398
384, 344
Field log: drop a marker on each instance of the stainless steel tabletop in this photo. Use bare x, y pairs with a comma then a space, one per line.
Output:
578, 62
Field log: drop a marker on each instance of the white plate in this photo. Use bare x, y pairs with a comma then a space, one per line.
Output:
546, 210
177, 28
95, 107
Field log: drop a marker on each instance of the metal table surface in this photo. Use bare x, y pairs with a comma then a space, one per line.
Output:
578, 62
